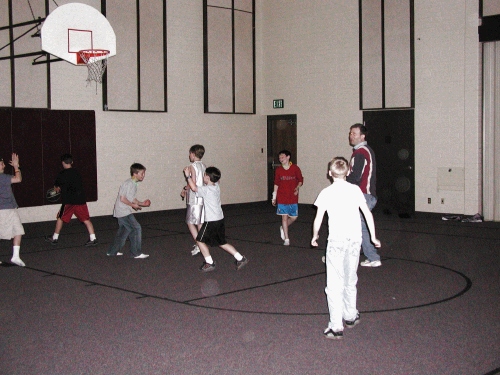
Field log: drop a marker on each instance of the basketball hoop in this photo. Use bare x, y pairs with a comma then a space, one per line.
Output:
96, 61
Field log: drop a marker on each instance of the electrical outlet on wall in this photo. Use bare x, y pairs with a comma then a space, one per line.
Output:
442, 200
429, 200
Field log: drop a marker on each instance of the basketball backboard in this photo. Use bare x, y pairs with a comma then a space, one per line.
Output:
73, 27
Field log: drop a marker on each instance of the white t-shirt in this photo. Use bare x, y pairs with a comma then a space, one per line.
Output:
341, 201
211, 200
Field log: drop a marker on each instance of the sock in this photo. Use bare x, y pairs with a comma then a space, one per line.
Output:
92, 237
209, 260
55, 236
238, 256
15, 256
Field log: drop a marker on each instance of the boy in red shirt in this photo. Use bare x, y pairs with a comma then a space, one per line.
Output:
287, 181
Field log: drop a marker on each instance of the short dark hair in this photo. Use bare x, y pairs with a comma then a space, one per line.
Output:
362, 129
286, 152
197, 150
67, 158
213, 173
136, 168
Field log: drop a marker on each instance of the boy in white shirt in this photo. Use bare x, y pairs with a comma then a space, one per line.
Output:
213, 231
342, 200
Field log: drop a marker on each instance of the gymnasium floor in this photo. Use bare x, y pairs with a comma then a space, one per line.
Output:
432, 308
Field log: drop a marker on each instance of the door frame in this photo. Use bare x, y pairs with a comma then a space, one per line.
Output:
275, 145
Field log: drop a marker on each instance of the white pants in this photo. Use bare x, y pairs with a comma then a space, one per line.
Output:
342, 259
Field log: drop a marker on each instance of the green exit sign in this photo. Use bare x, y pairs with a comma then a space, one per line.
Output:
278, 103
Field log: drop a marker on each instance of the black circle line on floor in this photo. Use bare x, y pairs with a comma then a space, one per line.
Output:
191, 304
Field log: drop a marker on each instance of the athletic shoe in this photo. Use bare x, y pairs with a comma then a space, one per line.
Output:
18, 262
287, 242
195, 251
241, 263
452, 217
142, 256
91, 243
352, 323
473, 219
367, 263
111, 255
330, 334
51, 240
207, 267
323, 259
282, 233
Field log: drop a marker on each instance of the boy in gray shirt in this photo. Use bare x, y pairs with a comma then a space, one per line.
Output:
125, 205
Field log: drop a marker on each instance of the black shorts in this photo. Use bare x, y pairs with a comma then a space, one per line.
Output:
212, 233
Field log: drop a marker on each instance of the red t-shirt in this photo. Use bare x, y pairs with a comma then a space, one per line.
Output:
287, 180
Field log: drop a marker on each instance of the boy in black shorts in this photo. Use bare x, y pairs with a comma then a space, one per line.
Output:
213, 231
69, 183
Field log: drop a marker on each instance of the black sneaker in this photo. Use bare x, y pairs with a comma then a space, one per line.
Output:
241, 263
352, 323
207, 267
51, 240
91, 243
330, 334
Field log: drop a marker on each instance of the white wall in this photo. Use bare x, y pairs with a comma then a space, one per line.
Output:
161, 141
307, 54
311, 60
447, 91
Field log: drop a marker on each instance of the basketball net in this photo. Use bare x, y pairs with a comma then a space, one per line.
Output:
96, 61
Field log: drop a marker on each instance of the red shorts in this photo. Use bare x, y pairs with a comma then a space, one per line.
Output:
67, 211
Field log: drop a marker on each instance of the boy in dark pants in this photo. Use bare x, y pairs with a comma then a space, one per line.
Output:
213, 231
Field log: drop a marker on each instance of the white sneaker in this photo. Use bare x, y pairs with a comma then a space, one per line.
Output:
195, 251
287, 242
142, 256
323, 259
367, 263
118, 254
18, 261
282, 233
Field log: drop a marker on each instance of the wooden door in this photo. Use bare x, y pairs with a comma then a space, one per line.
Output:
281, 135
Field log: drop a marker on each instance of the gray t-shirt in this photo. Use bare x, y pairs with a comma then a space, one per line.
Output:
128, 190
211, 199
7, 200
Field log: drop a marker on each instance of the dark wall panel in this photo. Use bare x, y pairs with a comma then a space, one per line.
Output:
40, 137
83, 149
6, 138
56, 141
26, 142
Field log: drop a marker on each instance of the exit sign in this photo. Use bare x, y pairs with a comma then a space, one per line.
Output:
278, 103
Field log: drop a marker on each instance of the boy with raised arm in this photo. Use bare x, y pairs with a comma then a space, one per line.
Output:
213, 230
10, 223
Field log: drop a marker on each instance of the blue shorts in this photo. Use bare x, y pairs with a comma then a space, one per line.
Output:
288, 209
